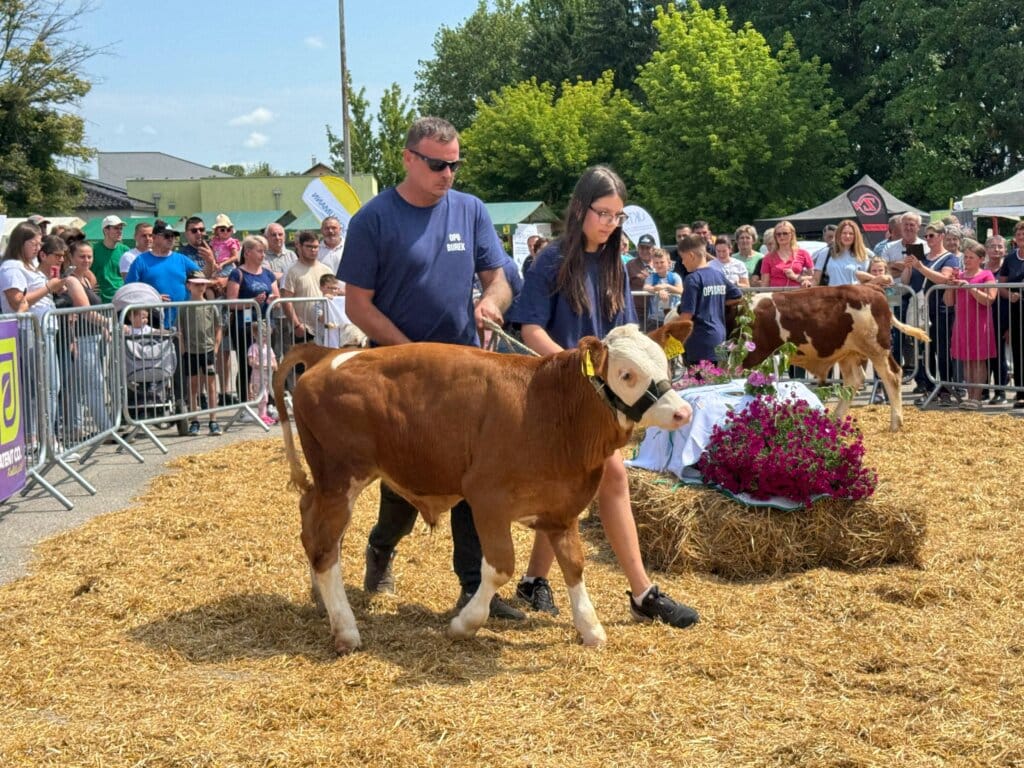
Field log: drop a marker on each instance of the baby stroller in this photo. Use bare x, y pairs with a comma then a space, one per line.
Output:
149, 365
150, 362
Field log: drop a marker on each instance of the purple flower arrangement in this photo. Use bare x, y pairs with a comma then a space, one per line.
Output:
783, 447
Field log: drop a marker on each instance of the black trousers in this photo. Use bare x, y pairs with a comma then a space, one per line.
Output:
1017, 346
395, 521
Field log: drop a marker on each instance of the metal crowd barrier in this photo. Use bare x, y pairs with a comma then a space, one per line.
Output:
975, 349
26, 405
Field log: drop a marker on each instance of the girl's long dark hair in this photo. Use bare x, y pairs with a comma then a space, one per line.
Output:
595, 183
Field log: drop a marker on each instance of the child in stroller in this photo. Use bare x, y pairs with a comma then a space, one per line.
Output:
150, 362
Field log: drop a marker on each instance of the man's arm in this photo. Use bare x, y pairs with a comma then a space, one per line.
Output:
496, 298
370, 320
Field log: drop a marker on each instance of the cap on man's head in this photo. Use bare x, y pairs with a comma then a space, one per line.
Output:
645, 240
112, 221
36, 219
222, 220
161, 227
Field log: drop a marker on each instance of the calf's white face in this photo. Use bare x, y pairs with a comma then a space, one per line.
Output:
635, 362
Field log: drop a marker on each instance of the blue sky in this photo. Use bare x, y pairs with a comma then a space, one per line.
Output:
246, 81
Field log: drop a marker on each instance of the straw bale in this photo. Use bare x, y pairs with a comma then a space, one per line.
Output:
696, 528
179, 632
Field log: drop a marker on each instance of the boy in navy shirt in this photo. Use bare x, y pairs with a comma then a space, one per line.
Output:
705, 295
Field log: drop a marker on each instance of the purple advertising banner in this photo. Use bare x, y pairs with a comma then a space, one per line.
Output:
12, 436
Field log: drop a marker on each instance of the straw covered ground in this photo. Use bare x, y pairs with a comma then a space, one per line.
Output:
179, 633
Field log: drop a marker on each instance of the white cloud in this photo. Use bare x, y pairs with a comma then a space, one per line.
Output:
259, 116
314, 41
119, 130
256, 140
149, 130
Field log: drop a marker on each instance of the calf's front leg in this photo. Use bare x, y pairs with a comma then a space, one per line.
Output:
569, 552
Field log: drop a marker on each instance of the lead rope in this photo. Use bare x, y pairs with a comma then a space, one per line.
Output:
498, 335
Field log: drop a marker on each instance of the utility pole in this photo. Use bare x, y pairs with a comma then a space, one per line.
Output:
344, 93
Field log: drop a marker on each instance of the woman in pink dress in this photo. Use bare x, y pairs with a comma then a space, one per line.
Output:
974, 340
787, 264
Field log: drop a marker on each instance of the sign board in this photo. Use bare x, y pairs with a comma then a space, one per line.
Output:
523, 233
640, 222
13, 460
331, 196
872, 214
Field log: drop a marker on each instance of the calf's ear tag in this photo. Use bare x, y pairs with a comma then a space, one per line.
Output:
673, 348
588, 365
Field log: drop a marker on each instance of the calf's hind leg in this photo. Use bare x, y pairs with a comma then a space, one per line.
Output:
325, 515
496, 567
569, 552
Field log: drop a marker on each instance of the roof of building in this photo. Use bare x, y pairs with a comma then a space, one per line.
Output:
117, 167
100, 196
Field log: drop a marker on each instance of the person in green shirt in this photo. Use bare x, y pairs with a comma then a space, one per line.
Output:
107, 258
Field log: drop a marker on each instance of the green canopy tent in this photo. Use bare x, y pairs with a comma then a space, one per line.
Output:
248, 222
505, 216
306, 220
94, 227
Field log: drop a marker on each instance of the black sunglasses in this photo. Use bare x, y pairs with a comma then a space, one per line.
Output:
437, 165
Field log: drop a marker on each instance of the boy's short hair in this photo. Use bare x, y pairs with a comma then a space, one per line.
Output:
691, 243
327, 279
659, 253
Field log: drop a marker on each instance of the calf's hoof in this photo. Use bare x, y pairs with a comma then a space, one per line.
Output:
346, 642
595, 637
460, 629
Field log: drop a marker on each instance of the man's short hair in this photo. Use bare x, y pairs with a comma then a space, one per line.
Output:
829, 228
193, 220
327, 278
436, 128
307, 236
910, 216
699, 224
996, 240
141, 226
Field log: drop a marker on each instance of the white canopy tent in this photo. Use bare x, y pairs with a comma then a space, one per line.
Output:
1003, 199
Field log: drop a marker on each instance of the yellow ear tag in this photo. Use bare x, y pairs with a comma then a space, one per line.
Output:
588, 366
673, 348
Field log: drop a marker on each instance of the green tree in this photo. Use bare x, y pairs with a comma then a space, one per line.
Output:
377, 151
251, 169
933, 91
731, 132
529, 142
471, 61
570, 39
41, 83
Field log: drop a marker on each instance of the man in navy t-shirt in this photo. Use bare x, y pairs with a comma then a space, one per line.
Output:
409, 261
705, 294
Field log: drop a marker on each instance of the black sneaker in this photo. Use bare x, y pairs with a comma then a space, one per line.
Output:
538, 594
659, 607
499, 609
378, 576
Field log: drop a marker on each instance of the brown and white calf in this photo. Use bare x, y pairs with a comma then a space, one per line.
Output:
842, 324
520, 438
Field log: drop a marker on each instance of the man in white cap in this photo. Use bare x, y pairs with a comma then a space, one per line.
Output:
106, 258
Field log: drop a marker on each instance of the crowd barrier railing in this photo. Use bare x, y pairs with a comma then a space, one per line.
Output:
27, 395
976, 348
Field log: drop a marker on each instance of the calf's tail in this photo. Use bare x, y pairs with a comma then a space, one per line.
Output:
306, 355
910, 330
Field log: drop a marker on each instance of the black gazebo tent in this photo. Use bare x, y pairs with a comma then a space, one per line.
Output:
812, 221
